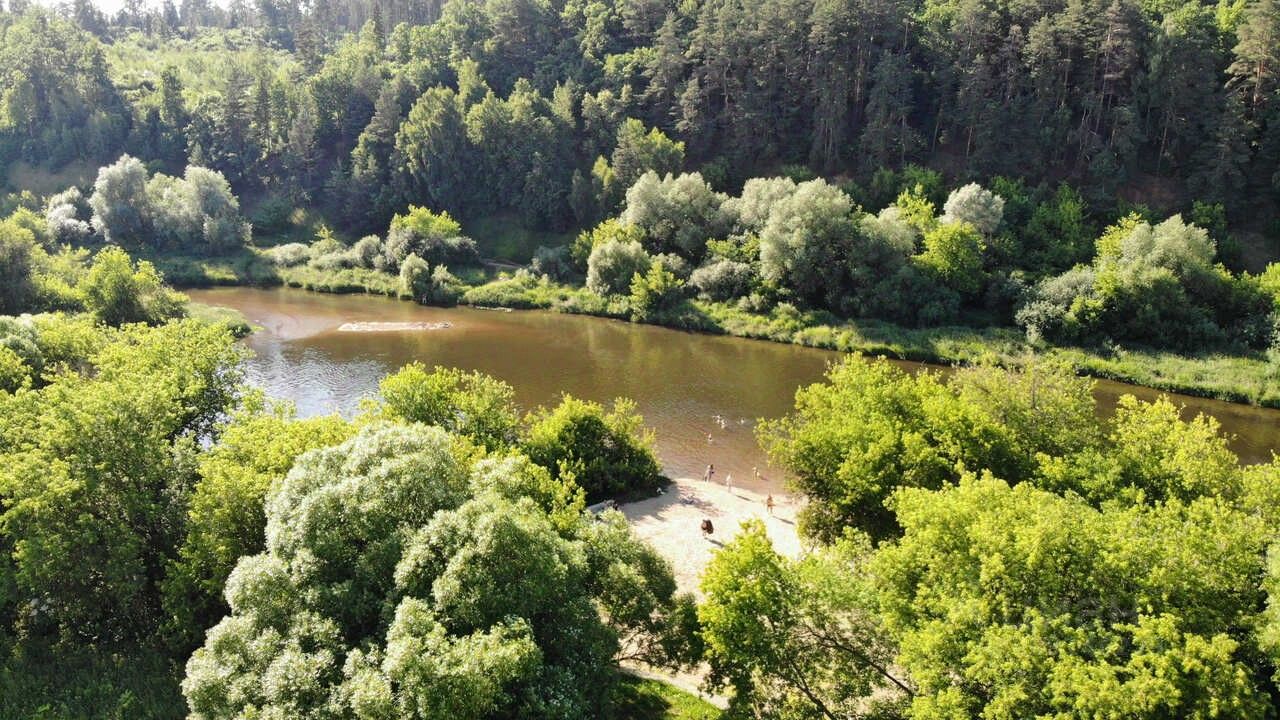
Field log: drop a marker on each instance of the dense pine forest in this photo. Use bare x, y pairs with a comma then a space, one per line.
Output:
481, 107
1036, 193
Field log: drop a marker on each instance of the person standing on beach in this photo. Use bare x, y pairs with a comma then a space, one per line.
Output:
728, 480
768, 504
711, 471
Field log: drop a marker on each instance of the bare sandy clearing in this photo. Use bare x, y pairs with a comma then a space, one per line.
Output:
670, 523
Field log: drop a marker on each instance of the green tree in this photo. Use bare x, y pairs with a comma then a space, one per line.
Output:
872, 428
637, 152
677, 214
654, 292
433, 141
796, 638
982, 597
608, 453
118, 291
471, 404
401, 580
225, 519
120, 205
95, 480
613, 263
953, 255
804, 244
17, 288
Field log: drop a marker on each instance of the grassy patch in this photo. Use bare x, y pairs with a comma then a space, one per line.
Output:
344, 281
504, 237
232, 318
637, 698
43, 181
244, 267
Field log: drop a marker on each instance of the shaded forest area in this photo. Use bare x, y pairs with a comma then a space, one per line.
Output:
516, 106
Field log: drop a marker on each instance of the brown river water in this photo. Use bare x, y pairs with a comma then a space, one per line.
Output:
701, 394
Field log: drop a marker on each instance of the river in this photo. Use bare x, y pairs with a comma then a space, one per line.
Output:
702, 394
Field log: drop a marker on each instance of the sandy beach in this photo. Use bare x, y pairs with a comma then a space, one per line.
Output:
670, 523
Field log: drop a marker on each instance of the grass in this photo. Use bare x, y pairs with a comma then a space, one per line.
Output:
243, 267
232, 318
43, 181
504, 237
344, 281
636, 698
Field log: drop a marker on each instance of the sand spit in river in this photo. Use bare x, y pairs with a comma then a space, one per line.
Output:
367, 327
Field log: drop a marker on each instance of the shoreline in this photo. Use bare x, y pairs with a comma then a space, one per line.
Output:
1239, 379
669, 523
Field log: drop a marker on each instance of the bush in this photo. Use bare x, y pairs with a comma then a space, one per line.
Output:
608, 454
196, 212
17, 264
415, 277
289, 255
552, 262
337, 260
434, 237
468, 403
674, 264
587, 240
612, 265
445, 288
273, 215
910, 297
368, 252
723, 280
117, 292
14, 373
654, 292
325, 244
21, 360
63, 215
975, 205
1154, 285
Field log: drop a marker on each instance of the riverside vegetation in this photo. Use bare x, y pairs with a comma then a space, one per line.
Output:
178, 544
1032, 189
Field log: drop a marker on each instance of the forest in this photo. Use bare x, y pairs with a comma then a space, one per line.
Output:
1038, 193
941, 181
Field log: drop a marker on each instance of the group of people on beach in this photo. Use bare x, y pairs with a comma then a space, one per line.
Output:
707, 527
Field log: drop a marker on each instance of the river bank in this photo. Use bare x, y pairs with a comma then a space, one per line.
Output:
1252, 379
670, 524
